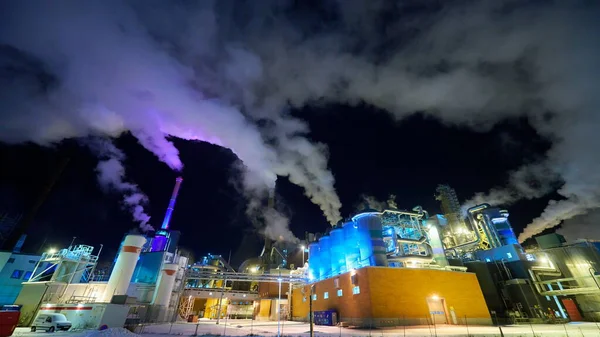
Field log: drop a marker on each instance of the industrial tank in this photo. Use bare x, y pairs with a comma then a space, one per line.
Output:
351, 245
338, 256
325, 252
164, 288
313, 261
123, 269
371, 245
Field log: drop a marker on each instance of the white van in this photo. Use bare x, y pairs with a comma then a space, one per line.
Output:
50, 323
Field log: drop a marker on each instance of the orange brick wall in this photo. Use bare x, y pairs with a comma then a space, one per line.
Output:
348, 305
271, 289
402, 292
396, 293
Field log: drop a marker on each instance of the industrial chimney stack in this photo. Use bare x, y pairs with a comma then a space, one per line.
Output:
161, 238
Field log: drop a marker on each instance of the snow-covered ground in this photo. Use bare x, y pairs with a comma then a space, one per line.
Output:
293, 329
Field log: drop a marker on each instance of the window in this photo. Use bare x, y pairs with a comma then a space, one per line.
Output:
11, 260
356, 290
17, 274
303, 298
326, 295
27, 275
339, 292
509, 255
314, 297
336, 282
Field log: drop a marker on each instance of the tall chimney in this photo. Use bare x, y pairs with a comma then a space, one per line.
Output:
165, 224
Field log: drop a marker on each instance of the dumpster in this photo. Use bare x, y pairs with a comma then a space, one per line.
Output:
9, 317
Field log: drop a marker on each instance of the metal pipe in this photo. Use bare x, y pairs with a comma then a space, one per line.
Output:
165, 224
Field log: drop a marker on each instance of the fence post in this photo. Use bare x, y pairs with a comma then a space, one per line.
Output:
531, 325
467, 325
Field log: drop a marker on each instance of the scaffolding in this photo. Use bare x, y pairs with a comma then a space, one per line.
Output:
73, 265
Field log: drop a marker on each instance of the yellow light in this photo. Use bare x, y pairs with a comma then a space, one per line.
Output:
51, 251
302, 247
435, 297
253, 269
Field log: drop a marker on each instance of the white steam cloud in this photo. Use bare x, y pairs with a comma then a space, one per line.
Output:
111, 176
227, 72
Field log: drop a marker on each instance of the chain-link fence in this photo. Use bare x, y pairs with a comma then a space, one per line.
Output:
248, 327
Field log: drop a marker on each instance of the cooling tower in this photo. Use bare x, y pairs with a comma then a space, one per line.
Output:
124, 267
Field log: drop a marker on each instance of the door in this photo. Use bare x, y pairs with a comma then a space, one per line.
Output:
437, 310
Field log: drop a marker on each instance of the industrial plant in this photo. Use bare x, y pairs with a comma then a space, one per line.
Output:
380, 267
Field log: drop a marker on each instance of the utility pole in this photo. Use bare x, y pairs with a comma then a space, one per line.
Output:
310, 311
221, 300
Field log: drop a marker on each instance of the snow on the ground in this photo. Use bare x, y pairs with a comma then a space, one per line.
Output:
110, 332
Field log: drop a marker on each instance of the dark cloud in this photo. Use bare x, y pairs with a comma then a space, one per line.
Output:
226, 72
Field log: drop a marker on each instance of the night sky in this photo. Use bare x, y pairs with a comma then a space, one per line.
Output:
326, 101
370, 154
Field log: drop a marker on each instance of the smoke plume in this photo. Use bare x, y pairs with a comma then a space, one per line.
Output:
111, 176
581, 227
227, 72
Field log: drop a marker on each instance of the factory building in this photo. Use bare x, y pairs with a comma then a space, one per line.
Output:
568, 273
144, 284
388, 267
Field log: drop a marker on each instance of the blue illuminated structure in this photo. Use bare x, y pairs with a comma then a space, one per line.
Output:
313, 261
351, 251
338, 256
161, 239
370, 239
325, 263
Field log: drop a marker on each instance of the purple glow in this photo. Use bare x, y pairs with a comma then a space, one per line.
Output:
165, 224
159, 243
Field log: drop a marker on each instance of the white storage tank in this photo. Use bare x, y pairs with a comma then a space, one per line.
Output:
164, 288
124, 266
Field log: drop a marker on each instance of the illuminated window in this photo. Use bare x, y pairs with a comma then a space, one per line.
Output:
27, 275
509, 255
314, 297
17, 274
304, 299
356, 290
339, 292
326, 295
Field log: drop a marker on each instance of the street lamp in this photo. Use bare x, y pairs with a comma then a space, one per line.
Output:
303, 250
279, 307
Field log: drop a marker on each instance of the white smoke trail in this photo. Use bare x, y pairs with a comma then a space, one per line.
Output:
111, 175
227, 72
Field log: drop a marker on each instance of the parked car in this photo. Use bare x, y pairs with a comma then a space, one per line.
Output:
51, 323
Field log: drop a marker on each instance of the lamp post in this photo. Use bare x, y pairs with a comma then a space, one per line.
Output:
303, 251
279, 307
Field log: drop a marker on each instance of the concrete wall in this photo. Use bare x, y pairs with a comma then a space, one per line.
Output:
395, 296
15, 269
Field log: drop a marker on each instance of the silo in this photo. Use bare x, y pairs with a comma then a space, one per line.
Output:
164, 286
371, 245
325, 251
313, 261
338, 256
351, 245
124, 266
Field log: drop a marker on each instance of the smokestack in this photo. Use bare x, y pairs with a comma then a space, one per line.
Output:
165, 224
